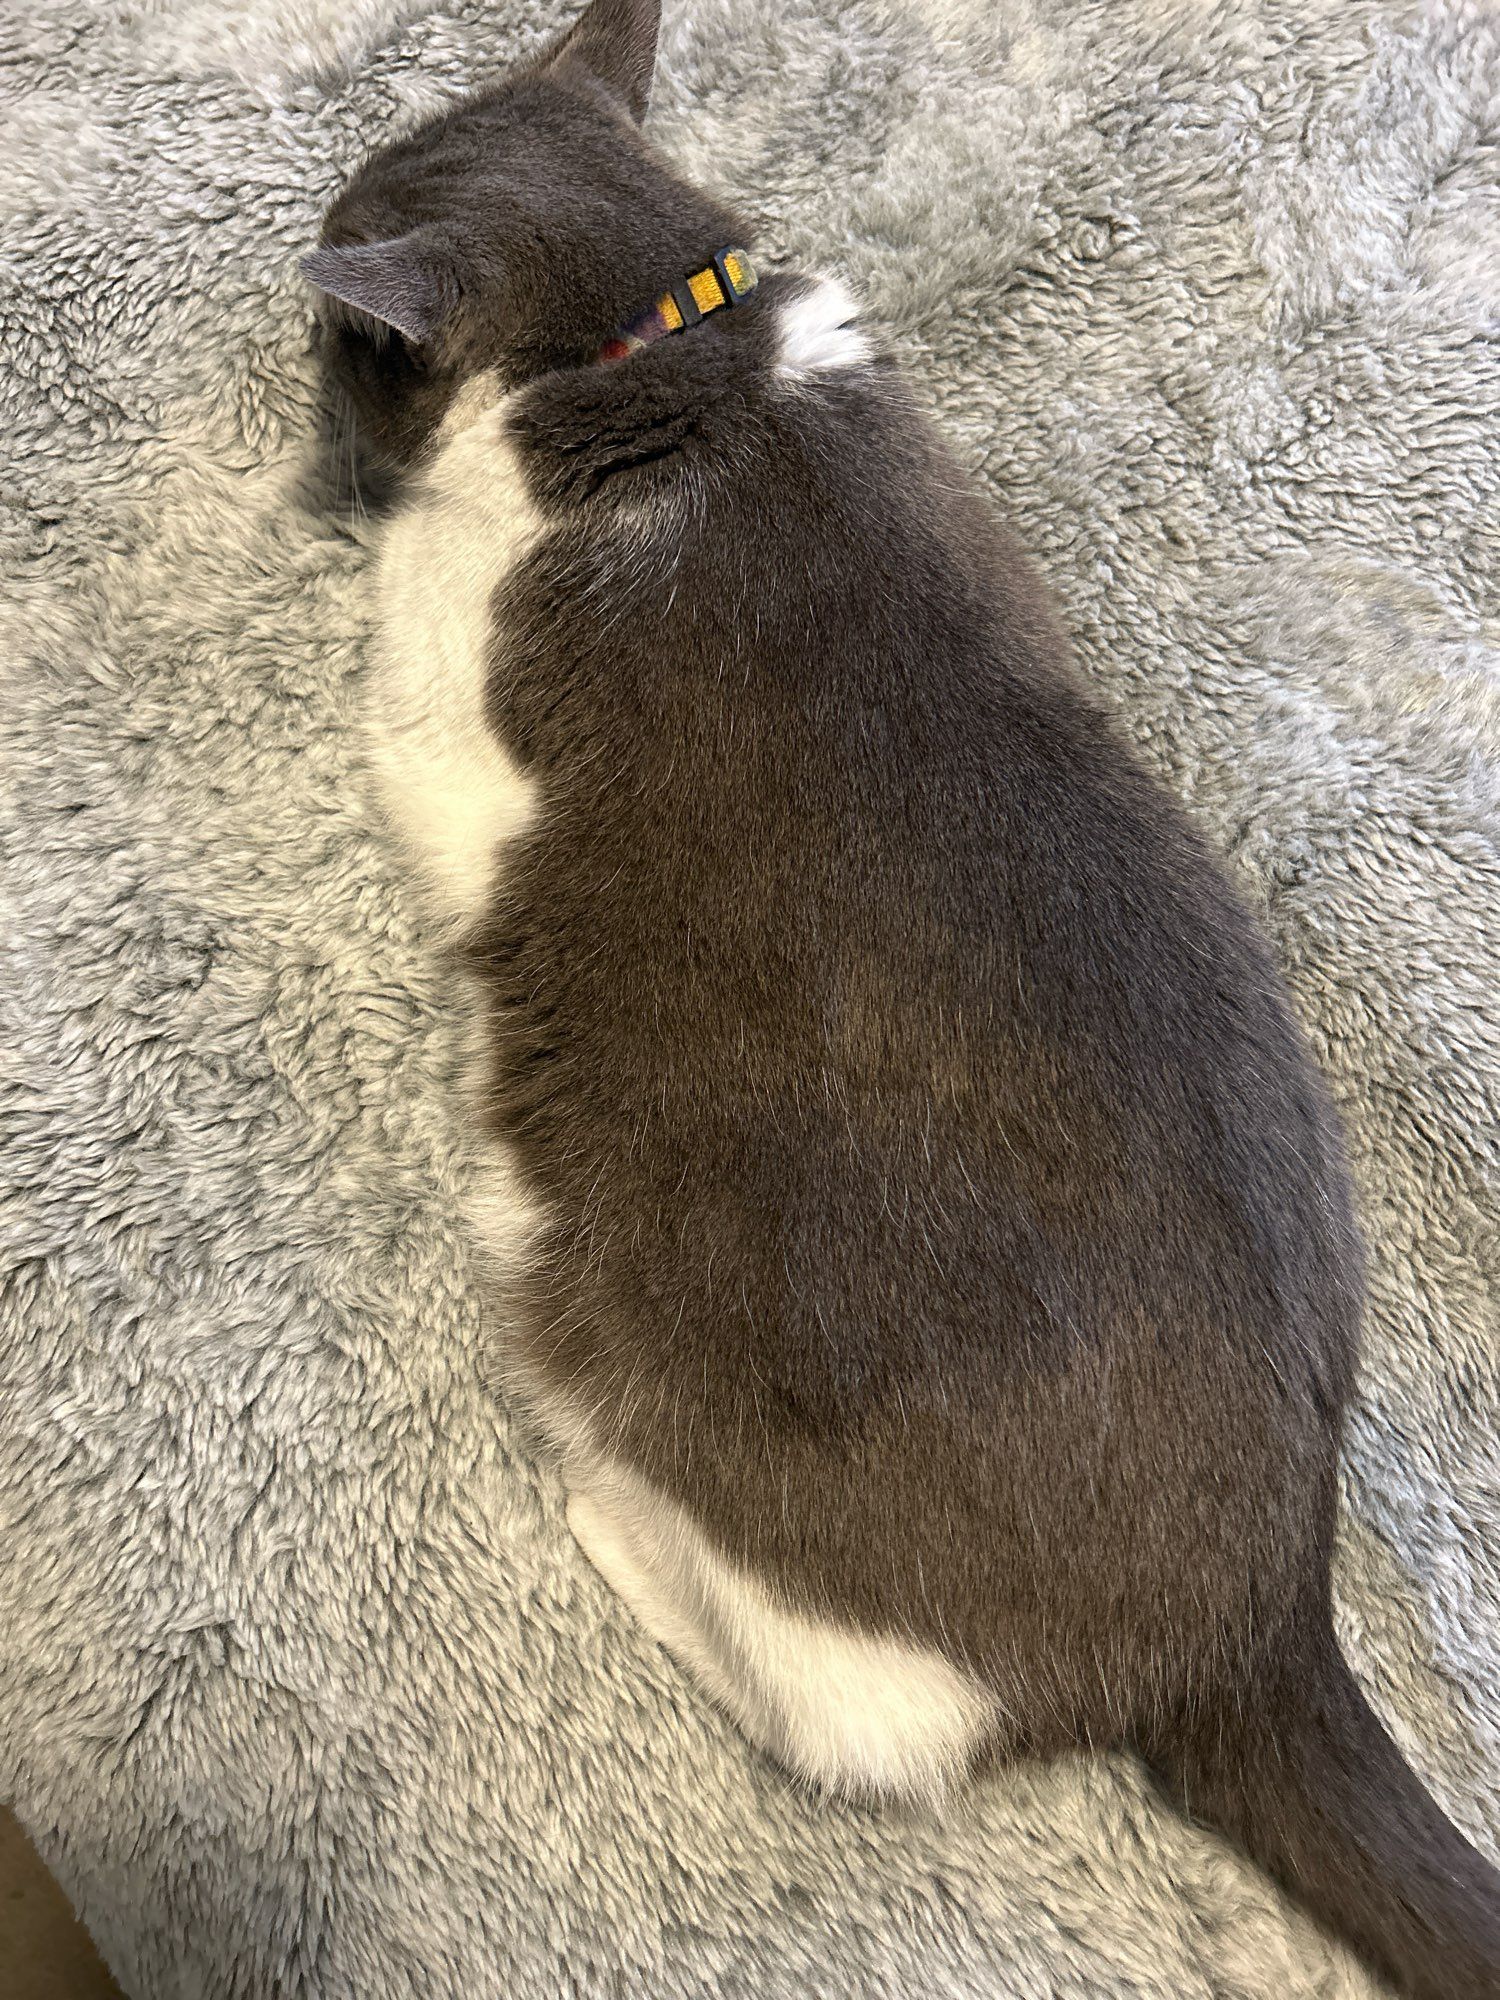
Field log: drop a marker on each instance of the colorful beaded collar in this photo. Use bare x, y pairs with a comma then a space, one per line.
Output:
725, 281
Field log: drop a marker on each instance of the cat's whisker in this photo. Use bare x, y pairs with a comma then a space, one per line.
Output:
355, 487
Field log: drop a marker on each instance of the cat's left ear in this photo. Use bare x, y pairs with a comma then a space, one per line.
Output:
614, 42
401, 282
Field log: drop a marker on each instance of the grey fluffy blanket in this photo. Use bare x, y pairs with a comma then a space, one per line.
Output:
304, 1690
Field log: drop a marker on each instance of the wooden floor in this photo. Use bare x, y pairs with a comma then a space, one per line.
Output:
44, 1949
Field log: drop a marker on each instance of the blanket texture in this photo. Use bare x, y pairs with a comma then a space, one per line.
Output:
304, 1690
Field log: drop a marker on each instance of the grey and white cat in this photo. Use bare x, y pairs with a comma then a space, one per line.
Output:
921, 1230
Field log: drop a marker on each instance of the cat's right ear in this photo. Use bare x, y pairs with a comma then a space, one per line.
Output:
401, 282
614, 42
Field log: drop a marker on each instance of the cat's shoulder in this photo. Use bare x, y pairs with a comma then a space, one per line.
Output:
686, 408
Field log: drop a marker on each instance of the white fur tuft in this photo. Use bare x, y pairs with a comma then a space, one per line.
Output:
817, 333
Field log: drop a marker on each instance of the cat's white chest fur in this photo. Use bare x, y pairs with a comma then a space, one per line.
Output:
450, 791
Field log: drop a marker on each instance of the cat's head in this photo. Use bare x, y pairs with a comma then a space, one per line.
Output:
514, 232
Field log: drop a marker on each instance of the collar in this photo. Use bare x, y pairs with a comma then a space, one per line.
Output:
725, 281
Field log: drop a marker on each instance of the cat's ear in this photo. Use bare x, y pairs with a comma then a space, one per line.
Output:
614, 42
401, 282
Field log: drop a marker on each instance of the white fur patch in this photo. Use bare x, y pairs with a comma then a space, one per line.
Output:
448, 786
853, 1712
502, 1216
817, 333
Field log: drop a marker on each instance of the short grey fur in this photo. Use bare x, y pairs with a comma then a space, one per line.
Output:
305, 1689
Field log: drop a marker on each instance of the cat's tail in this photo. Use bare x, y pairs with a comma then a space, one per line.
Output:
1310, 1784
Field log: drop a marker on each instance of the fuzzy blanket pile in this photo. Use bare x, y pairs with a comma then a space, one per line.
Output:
304, 1690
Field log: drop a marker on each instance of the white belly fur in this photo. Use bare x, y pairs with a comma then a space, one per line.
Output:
452, 795
450, 791
846, 1709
